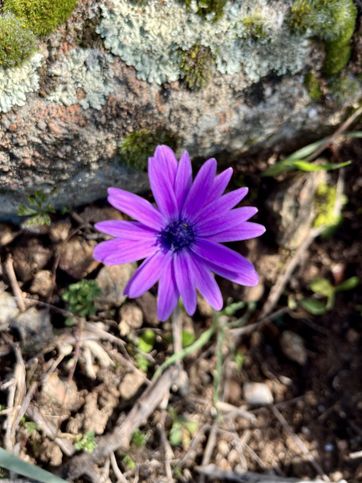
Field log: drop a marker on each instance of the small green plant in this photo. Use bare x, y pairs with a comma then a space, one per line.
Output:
86, 442
17, 42
196, 66
144, 344
128, 462
37, 208
323, 289
80, 298
188, 338
182, 430
209, 8
138, 146
299, 160
239, 359
30, 426
139, 438
41, 16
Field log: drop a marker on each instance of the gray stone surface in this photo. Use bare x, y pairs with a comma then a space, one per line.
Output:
64, 138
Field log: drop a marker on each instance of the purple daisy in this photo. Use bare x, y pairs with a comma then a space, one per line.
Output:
180, 238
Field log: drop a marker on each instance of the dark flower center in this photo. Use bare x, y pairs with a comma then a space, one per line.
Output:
177, 235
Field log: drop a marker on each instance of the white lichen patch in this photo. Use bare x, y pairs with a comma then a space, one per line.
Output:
17, 82
151, 36
85, 77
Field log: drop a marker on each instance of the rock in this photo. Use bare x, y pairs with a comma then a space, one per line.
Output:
8, 310
148, 303
131, 318
34, 328
60, 394
94, 214
7, 234
76, 257
29, 258
65, 112
42, 283
257, 394
130, 384
59, 230
112, 281
293, 347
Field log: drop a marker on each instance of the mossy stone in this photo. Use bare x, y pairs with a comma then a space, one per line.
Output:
138, 146
313, 86
196, 66
17, 42
41, 16
212, 8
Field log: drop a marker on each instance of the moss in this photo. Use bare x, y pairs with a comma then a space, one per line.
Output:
17, 43
325, 206
313, 86
41, 16
196, 66
255, 26
332, 21
337, 57
138, 146
206, 8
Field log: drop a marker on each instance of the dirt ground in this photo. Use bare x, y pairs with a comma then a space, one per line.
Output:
67, 378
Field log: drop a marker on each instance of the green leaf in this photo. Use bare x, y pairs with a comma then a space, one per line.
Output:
322, 286
348, 284
146, 341
188, 338
314, 306
306, 151
307, 166
191, 426
176, 434
11, 462
278, 168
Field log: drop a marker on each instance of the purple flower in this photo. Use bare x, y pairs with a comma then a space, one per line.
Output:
180, 238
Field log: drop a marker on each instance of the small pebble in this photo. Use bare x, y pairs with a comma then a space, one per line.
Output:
257, 394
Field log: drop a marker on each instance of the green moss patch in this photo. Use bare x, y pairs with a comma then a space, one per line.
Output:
196, 66
332, 21
212, 8
41, 16
138, 146
17, 42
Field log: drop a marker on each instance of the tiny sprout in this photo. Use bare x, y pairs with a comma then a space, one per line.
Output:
86, 442
80, 298
37, 209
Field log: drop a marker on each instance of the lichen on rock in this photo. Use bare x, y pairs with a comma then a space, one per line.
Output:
85, 77
17, 82
152, 36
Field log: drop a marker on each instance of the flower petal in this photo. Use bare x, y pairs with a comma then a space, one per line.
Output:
221, 222
220, 183
114, 252
245, 231
221, 205
185, 280
168, 294
200, 188
146, 275
162, 173
135, 207
125, 229
206, 284
226, 262
183, 179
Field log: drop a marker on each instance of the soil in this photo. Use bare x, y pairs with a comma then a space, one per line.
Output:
82, 381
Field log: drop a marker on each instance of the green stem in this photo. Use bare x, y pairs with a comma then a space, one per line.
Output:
197, 345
